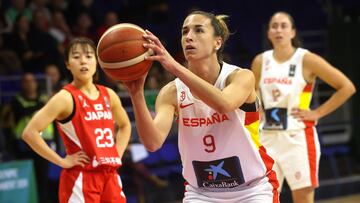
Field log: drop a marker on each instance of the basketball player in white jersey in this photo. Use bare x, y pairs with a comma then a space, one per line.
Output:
285, 78
85, 114
217, 111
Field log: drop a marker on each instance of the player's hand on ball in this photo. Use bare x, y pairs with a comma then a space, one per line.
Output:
77, 159
160, 53
135, 86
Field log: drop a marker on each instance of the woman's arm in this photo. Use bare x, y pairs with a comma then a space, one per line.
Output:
58, 107
239, 89
315, 66
256, 69
153, 132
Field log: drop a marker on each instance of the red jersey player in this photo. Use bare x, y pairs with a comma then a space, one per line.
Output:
85, 114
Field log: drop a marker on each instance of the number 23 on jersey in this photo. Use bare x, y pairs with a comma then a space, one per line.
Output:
104, 137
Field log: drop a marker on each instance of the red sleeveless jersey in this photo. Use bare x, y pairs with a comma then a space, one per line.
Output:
91, 128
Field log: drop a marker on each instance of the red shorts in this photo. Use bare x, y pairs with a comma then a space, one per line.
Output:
85, 186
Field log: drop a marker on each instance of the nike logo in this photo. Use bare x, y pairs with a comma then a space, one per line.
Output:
186, 105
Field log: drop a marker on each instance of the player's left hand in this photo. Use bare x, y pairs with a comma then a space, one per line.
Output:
305, 115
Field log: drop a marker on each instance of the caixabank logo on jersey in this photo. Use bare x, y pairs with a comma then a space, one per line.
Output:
219, 174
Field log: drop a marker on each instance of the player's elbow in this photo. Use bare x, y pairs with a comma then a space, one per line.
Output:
152, 144
26, 134
152, 147
352, 89
349, 89
29, 134
152, 140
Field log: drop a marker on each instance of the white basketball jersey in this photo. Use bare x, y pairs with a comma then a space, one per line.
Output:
283, 87
219, 152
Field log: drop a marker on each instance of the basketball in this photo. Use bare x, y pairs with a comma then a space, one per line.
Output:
121, 53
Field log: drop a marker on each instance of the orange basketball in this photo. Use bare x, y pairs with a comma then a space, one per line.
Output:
121, 53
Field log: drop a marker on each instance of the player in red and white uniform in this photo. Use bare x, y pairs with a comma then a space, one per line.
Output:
285, 77
216, 106
86, 116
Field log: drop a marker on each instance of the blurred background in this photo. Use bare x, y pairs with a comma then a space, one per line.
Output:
33, 34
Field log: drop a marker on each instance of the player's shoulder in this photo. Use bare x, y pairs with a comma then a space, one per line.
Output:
258, 58
168, 94
240, 74
114, 97
62, 97
311, 58
257, 62
240, 71
62, 102
169, 89
63, 94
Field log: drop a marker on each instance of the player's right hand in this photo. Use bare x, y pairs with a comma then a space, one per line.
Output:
136, 86
160, 53
77, 159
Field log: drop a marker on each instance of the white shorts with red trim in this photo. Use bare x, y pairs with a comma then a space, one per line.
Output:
296, 155
260, 191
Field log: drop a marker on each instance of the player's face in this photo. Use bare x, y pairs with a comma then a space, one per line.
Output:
198, 40
82, 61
280, 29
